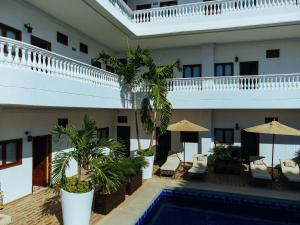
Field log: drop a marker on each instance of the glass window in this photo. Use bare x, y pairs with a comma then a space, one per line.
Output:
187, 72
223, 69
11, 152
224, 136
191, 71
11, 35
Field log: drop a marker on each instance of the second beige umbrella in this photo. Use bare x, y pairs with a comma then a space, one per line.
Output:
274, 128
185, 125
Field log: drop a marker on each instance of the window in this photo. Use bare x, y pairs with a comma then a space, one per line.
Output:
84, 48
10, 32
10, 153
224, 136
192, 71
122, 119
144, 6
270, 119
192, 137
103, 132
62, 122
223, 69
110, 69
62, 38
273, 53
169, 3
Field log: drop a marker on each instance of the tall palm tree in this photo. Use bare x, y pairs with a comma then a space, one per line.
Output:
130, 71
156, 101
88, 151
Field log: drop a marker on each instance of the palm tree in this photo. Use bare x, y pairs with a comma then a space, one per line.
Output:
130, 72
88, 151
156, 100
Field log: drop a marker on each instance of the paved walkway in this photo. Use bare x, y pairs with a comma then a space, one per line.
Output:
41, 208
44, 207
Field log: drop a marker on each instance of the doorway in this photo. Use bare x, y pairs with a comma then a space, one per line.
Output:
41, 160
249, 69
38, 42
163, 145
249, 144
123, 136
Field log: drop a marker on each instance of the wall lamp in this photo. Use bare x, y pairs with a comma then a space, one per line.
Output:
28, 27
29, 137
236, 59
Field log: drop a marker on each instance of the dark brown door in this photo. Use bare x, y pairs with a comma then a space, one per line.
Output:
38, 42
163, 145
123, 135
249, 68
41, 156
249, 144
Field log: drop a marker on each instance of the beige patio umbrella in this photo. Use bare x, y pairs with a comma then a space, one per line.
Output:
185, 125
274, 128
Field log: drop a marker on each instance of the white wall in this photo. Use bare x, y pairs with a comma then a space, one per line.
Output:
16, 13
285, 146
17, 181
208, 54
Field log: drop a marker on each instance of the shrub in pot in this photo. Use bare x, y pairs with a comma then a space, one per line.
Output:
149, 155
227, 159
132, 169
88, 152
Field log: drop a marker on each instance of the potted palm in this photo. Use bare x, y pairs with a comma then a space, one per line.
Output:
132, 169
88, 152
149, 155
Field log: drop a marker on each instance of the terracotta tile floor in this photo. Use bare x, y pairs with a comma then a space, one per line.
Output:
41, 208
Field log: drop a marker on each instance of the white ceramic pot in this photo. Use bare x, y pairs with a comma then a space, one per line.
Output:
147, 171
76, 207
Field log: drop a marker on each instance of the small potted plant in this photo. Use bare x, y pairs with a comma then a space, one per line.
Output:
88, 151
149, 155
111, 191
227, 159
132, 168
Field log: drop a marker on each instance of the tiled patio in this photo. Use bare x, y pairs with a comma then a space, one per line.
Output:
43, 207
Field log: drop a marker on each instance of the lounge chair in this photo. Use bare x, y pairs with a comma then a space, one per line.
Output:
290, 171
259, 171
170, 167
199, 168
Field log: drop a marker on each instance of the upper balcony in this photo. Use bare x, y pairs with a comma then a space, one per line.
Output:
32, 76
204, 16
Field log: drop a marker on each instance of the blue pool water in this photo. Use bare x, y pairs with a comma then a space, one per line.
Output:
190, 207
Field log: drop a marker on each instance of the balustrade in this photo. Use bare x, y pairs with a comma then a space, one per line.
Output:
27, 57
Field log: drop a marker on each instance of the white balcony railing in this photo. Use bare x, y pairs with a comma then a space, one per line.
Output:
233, 83
210, 8
24, 56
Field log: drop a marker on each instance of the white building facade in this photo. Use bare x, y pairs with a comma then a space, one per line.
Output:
241, 67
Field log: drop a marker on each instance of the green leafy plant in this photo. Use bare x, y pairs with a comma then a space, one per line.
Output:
147, 152
129, 70
156, 107
227, 153
89, 152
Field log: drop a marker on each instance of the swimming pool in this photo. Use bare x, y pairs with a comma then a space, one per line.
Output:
190, 207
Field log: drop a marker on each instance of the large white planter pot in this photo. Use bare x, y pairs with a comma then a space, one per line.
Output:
147, 171
76, 207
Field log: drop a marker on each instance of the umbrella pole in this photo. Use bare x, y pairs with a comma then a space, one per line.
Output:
273, 157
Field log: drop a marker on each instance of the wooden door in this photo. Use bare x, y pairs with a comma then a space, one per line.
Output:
248, 69
249, 144
163, 145
41, 157
123, 135
41, 43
